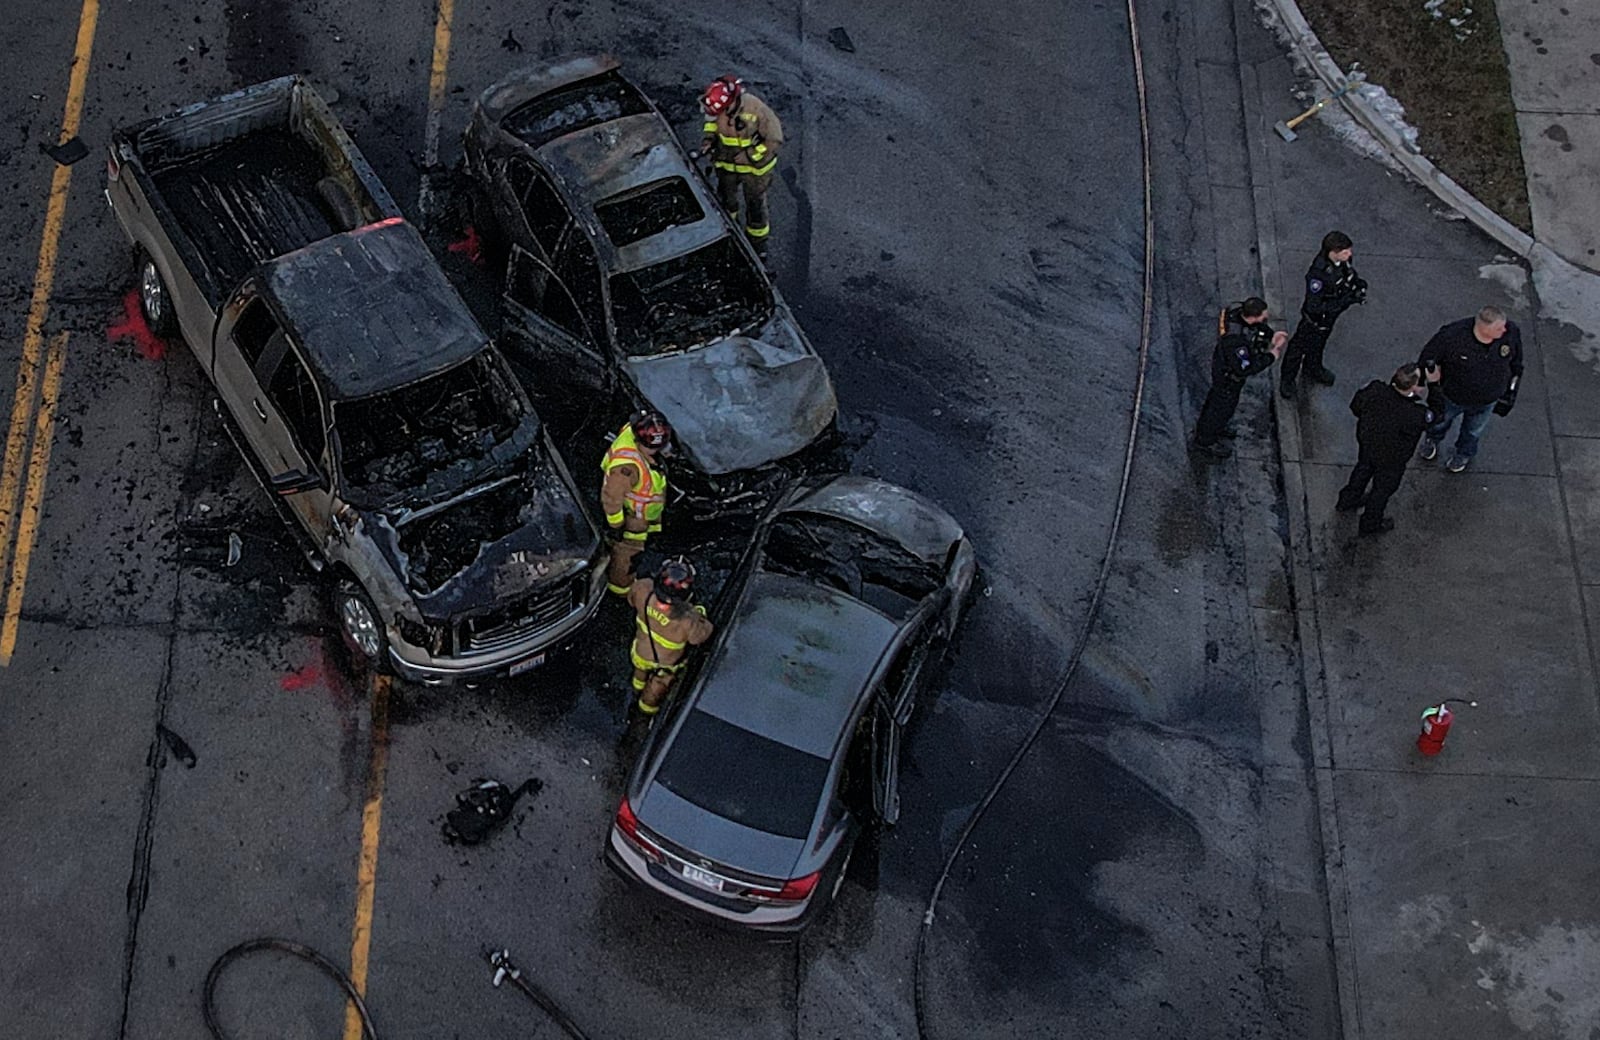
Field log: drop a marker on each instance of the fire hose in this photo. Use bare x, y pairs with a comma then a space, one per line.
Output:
1092, 616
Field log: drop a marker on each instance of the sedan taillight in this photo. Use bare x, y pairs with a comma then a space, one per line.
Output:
628, 825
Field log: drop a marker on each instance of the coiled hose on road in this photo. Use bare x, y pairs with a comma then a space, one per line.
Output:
919, 972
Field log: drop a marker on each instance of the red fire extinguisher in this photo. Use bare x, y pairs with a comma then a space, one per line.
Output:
1435, 727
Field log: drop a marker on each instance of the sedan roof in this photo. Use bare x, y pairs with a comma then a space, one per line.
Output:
372, 310
795, 663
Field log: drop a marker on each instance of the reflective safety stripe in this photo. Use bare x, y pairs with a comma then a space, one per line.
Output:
644, 664
735, 142
710, 127
616, 590
648, 709
758, 232
638, 684
637, 536
615, 519
757, 171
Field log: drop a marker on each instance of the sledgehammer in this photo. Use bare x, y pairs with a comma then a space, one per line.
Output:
1286, 130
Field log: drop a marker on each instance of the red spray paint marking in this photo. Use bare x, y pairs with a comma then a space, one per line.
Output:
302, 678
471, 246
150, 346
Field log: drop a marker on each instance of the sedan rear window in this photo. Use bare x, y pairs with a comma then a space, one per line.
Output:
753, 781
576, 107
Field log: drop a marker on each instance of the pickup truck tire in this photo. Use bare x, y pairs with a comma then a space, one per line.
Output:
360, 627
155, 302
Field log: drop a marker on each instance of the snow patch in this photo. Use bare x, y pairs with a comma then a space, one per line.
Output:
1569, 295
1513, 278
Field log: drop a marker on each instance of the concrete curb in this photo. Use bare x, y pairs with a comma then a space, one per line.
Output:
1309, 47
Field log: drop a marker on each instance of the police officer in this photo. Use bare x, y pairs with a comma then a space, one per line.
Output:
1332, 287
1246, 344
1480, 364
1389, 419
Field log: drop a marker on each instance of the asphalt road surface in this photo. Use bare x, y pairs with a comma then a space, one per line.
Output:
959, 230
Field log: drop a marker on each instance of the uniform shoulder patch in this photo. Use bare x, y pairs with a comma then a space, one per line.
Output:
1244, 357
1505, 350
1314, 285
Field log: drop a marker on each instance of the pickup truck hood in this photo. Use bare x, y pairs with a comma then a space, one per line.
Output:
740, 402
491, 544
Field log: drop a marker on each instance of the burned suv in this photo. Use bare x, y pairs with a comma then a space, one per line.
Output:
626, 282
356, 384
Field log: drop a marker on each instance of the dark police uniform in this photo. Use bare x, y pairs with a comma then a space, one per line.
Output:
1388, 424
1242, 351
1331, 289
1474, 377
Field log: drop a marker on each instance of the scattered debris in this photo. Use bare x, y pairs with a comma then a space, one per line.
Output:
511, 43
841, 39
483, 809
179, 747
67, 152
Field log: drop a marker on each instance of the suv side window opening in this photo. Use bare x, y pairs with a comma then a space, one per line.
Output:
294, 394
542, 208
583, 312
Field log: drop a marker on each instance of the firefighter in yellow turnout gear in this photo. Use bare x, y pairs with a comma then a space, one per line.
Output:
633, 493
667, 625
742, 137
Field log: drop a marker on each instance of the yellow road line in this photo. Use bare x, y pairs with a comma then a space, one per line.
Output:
437, 69
33, 498
367, 872
43, 285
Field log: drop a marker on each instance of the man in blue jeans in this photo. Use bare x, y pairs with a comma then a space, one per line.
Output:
1477, 363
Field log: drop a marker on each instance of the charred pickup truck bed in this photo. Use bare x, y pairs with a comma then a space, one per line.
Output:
357, 385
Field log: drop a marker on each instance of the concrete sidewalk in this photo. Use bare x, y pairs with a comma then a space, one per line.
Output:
1463, 888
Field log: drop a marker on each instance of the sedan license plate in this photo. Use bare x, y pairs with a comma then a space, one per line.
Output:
700, 877
527, 664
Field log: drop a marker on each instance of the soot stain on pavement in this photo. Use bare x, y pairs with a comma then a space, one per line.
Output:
1052, 932
262, 42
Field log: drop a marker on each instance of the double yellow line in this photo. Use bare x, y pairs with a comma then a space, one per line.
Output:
33, 410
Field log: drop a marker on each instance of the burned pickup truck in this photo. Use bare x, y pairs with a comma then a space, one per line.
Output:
628, 284
357, 385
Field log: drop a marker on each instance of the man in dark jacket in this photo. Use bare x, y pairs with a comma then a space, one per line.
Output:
1332, 287
1246, 344
1389, 419
1480, 364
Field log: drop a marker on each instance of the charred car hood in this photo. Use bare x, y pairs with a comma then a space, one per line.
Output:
491, 544
741, 402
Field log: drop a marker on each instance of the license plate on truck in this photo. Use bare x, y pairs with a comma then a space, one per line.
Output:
527, 664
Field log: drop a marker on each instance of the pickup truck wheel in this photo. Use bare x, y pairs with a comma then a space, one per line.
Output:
360, 626
155, 303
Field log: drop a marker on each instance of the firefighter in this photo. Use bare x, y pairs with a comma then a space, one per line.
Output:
633, 492
1332, 287
668, 624
742, 139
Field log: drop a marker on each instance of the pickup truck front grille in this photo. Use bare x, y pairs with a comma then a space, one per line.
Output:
504, 628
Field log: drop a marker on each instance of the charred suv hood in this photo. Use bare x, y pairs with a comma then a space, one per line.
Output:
492, 544
741, 402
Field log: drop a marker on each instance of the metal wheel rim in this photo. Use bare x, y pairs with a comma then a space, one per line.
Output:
152, 294
359, 624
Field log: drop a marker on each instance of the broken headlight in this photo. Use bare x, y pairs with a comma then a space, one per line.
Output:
428, 637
